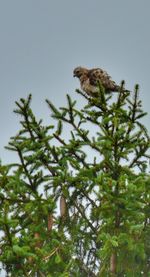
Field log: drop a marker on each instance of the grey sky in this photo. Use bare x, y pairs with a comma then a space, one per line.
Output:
41, 41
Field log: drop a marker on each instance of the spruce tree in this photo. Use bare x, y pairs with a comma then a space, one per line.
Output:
77, 201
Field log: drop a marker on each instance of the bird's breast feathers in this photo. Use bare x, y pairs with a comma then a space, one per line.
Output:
88, 87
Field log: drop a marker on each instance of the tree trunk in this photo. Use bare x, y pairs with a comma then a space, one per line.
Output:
113, 263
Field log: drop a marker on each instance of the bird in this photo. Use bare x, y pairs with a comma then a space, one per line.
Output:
90, 78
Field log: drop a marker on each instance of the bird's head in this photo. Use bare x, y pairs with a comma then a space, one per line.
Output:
79, 71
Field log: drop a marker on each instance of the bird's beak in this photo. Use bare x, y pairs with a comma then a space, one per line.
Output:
74, 75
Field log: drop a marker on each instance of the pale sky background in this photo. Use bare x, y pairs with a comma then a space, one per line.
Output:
41, 41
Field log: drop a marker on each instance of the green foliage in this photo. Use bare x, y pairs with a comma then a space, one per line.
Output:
100, 173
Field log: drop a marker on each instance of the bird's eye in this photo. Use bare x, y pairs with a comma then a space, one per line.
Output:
76, 73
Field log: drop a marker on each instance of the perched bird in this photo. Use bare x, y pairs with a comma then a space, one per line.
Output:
89, 79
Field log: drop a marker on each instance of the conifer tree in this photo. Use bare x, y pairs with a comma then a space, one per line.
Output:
77, 202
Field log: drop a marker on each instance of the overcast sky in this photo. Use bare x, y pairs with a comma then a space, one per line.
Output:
41, 41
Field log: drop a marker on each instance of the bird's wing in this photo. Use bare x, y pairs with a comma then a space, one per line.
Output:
96, 75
